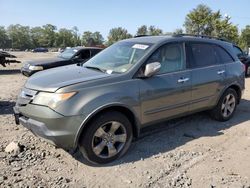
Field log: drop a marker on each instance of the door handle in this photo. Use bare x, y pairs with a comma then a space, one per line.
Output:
183, 80
221, 72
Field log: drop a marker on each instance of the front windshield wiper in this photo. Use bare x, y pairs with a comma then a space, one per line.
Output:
95, 68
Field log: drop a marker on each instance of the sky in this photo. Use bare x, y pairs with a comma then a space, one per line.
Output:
102, 15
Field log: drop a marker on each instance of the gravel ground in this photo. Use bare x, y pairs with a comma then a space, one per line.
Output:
194, 151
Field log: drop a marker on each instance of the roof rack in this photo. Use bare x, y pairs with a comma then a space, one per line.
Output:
201, 36
141, 36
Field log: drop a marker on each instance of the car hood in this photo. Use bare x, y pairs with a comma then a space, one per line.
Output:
52, 79
45, 61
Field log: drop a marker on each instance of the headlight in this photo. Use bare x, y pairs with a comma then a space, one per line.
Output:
33, 67
52, 100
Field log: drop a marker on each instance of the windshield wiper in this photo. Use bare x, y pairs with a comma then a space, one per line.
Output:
95, 68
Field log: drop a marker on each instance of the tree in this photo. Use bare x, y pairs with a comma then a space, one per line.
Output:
48, 37
92, 39
151, 30
154, 31
4, 40
143, 30
19, 36
117, 34
36, 34
64, 38
76, 37
203, 21
245, 37
178, 31
199, 20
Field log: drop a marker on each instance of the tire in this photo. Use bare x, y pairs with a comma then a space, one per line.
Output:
226, 106
106, 138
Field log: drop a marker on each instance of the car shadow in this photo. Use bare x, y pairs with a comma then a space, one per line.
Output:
167, 136
6, 107
9, 71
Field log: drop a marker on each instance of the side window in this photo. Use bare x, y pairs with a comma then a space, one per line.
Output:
223, 55
94, 52
85, 54
203, 55
170, 56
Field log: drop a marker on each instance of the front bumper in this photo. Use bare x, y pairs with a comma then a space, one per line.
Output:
48, 124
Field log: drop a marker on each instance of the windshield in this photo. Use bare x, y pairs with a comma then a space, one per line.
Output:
118, 58
68, 53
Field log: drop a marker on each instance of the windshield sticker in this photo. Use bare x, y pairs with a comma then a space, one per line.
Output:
109, 71
140, 46
75, 50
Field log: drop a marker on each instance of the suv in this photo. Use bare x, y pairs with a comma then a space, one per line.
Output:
101, 105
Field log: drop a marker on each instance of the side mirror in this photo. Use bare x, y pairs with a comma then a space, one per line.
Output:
151, 69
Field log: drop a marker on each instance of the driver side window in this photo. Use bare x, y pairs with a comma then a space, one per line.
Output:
84, 54
170, 56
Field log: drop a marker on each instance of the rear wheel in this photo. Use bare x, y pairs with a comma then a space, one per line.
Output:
226, 106
106, 138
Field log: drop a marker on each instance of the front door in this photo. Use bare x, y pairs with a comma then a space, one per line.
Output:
168, 93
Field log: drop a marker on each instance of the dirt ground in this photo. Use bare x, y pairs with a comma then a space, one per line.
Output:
194, 151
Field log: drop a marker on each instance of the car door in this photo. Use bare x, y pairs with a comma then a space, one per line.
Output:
167, 93
208, 74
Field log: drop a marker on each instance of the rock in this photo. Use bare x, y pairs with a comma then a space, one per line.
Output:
128, 181
219, 160
2, 178
13, 147
16, 169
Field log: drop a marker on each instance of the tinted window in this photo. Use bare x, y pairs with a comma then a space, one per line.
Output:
84, 54
170, 56
223, 55
203, 55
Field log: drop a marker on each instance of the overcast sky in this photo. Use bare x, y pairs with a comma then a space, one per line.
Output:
103, 15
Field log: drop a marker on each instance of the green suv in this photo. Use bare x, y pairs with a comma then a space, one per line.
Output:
101, 105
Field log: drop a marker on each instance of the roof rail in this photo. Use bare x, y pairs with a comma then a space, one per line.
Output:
141, 36
201, 36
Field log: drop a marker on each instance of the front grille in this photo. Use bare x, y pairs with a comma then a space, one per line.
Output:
26, 96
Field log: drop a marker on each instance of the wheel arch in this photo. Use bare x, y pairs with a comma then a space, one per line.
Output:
235, 87
111, 107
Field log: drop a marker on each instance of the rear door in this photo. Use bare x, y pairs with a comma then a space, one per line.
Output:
208, 74
168, 93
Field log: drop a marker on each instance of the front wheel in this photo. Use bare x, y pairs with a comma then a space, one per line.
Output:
226, 106
106, 138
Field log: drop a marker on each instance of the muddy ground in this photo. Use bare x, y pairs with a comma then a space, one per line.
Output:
194, 151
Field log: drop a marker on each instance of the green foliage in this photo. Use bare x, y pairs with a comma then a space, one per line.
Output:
151, 30
4, 40
178, 31
117, 34
245, 37
203, 21
92, 39
19, 36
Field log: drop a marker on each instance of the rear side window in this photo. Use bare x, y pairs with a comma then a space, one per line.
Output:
223, 55
202, 55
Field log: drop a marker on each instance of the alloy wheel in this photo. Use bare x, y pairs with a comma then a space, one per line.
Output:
109, 139
228, 105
